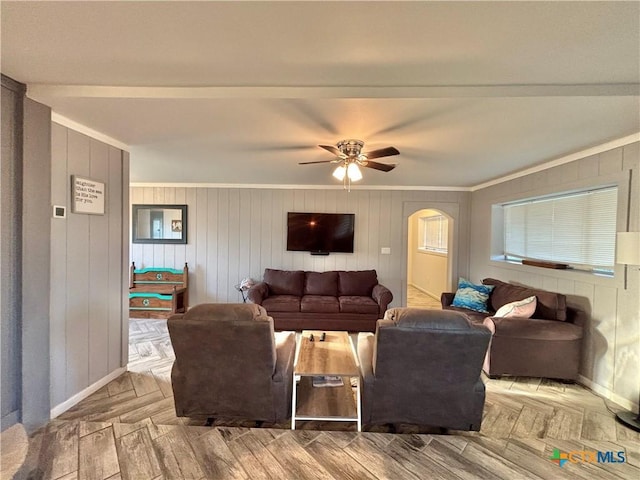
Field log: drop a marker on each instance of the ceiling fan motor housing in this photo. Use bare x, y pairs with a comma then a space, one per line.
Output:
351, 148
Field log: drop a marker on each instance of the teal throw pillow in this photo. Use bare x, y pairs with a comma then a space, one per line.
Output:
471, 296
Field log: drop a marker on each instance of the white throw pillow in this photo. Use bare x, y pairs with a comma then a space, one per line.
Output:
522, 308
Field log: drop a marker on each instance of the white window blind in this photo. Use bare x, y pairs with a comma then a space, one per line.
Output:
433, 233
578, 229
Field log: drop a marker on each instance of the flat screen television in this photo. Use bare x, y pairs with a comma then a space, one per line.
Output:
320, 233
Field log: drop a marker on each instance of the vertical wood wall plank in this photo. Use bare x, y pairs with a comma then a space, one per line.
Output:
116, 252
254, 234
126, 238
219, 251
244, 235
190, 249
201, 245
77, 294
233, 267
60, 195
99, 268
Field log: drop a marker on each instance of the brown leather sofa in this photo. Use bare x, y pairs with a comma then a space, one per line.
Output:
229, 363
549, 344
423, 367
334, 300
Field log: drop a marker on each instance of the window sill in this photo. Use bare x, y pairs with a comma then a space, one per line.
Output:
614, 281
436, 253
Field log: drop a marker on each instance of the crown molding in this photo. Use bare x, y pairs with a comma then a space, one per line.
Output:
619, 142
90, 132
297, 187
13, 85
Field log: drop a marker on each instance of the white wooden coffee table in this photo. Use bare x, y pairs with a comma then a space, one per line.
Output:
335, 356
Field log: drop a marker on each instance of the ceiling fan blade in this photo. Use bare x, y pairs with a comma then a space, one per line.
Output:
384, 167
382, 152
332, 149
318, 161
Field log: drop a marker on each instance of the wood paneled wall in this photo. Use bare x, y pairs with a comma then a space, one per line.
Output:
11, 249
612, 344
234, 233
89, 267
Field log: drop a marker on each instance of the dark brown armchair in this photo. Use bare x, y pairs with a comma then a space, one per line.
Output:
423, 367
229, 363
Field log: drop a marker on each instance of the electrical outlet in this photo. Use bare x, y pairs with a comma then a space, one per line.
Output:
385, 251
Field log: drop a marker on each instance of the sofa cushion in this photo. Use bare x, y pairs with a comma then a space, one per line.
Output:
548, 330
359, 283
471, 296
521, 308
325, 283
282, 303
284, 282
319, 304
357, 304
475, 317
550, 305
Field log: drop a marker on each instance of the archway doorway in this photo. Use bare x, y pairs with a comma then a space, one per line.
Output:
428, 257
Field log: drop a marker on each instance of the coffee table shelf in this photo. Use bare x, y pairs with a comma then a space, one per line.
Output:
335, 356
326, 403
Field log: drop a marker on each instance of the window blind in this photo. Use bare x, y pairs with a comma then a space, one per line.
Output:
578, 229
434, 233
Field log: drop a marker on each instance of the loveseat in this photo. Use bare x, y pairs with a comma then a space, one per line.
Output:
334, 300
547, 344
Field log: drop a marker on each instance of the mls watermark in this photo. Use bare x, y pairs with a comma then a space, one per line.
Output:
587, 456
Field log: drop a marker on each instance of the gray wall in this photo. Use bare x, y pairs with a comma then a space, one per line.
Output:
89, 267
36, 238
11, 248
234, 233
612, 344
26, 183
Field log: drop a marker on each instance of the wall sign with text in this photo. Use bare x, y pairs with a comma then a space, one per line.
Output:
87, 195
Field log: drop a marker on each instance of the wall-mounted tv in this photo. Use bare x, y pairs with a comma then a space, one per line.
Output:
320, 233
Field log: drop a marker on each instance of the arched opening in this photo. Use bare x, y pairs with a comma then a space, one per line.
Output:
427, 258
429, 249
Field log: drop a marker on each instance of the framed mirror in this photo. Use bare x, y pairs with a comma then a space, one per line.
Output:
159, 224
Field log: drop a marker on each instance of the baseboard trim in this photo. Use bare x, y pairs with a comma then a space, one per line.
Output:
9, 420
608, 394
67, 404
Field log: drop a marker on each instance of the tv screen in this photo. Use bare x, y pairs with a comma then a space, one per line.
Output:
320, 232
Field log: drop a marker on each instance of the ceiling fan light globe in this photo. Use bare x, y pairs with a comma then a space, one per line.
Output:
353, 172
340, 172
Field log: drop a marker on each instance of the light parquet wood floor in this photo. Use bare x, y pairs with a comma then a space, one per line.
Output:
419, 299
128, 430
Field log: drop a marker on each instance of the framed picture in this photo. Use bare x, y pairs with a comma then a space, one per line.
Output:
87, 195
176, 225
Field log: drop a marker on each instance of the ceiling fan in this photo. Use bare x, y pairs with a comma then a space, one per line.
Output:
350, 157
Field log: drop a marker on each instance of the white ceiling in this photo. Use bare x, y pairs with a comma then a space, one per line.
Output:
240, 92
